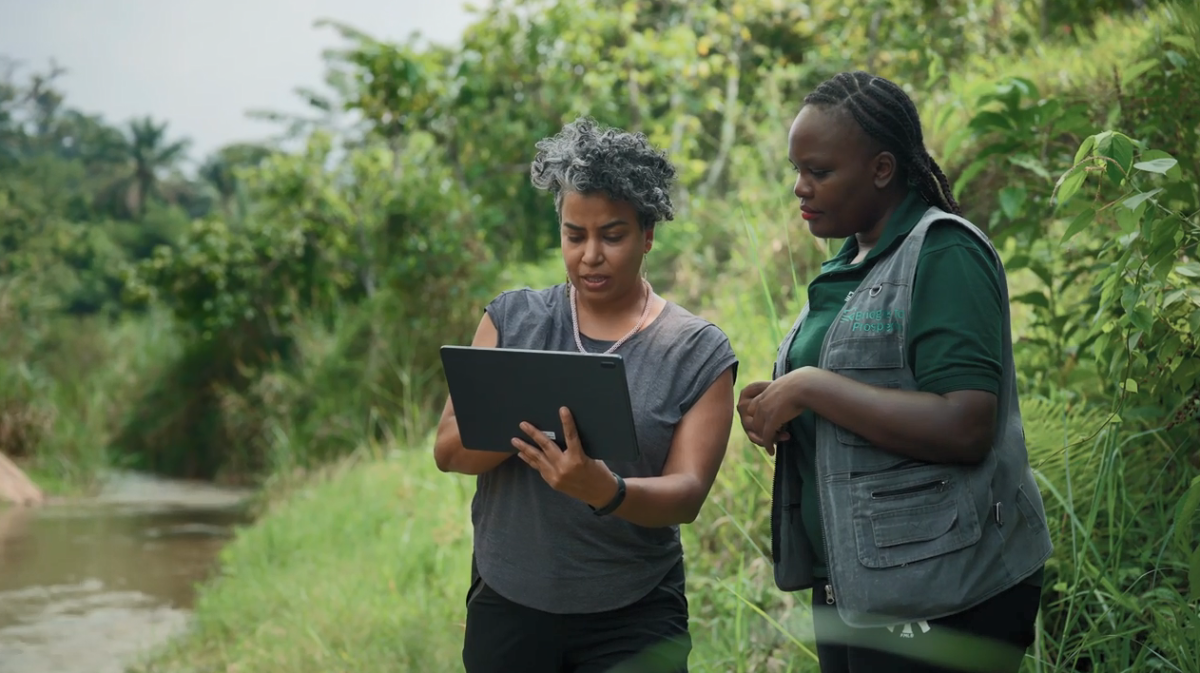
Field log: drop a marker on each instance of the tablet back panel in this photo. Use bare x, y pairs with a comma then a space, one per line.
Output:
494, 389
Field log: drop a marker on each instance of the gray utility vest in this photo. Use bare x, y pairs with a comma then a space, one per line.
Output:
907, 540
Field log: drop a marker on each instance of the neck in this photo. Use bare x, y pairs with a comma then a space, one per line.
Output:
870, 236
628, 303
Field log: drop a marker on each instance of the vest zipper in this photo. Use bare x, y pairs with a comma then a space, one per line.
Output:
829, 599
936, 485
821, 363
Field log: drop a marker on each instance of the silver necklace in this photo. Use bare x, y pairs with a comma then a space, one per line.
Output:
615, 346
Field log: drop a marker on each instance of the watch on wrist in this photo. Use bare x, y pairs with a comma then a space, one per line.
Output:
615, 502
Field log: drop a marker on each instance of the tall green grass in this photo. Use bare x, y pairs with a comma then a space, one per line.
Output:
364, 568
1115, 589
65, 387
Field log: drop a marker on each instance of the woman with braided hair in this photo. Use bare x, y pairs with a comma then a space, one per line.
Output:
903, 495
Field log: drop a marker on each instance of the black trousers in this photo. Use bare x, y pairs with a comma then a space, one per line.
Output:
989, 638
649, 636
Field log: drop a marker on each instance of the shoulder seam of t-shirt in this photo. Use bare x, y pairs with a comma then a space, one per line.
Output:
502, 304
955, 236
967, 240
974, 249
720, 356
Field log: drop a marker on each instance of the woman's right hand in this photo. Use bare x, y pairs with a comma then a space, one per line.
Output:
748, 394
448, 451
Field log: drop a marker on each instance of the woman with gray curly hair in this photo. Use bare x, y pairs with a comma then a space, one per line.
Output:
577, 564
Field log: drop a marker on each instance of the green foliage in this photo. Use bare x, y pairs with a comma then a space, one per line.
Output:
327, 301
1024, 132
79, 198
284, 308
376, 587
65, 385
1145, 299
1185, 538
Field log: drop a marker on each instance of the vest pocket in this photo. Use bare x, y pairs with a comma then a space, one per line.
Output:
1029, 511
912, 515
865, 353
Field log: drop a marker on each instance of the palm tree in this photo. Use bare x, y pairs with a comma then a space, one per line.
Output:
150, 155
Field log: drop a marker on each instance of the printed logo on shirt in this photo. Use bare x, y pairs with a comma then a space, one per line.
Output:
879, 321
907, 630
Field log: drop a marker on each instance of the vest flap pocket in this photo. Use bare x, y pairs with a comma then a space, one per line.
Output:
1030, 512
866, 350
916, 524
914, 515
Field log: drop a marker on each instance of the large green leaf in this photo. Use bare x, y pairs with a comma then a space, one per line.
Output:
1138, 199
1068, 184
1011, 201
1082, 220
1160, 166
1119, 149
1189, 269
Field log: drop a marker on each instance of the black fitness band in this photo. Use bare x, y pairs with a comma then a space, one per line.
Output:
615, 502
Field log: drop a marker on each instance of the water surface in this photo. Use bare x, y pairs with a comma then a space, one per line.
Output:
88, 585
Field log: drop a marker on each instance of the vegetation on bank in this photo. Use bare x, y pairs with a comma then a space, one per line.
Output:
343, 578
280, 310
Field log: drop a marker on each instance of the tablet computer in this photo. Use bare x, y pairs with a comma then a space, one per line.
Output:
494, 389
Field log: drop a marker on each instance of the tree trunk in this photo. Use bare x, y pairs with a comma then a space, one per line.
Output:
873, 38
728, 122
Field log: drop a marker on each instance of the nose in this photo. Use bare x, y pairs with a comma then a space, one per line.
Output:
803, 188
593, 252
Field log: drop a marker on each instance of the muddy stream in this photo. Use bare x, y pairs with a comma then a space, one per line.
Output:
89, 585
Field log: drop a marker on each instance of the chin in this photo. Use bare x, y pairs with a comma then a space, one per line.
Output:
820, 230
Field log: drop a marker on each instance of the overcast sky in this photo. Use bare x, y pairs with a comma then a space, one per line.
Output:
201, 64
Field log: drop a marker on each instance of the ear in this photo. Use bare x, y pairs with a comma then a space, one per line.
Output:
883, 169
649, 239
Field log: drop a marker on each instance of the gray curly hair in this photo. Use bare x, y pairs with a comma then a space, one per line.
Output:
624, 166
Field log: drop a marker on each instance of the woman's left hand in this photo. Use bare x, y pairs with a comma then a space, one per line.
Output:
776, 405
571, 471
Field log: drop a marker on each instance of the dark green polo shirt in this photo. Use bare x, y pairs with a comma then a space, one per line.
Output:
954, 326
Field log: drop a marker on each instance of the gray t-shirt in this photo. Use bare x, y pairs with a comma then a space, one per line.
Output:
548, 551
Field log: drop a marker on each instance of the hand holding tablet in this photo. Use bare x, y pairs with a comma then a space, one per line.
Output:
568, 471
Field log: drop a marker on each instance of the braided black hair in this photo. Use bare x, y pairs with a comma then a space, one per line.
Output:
889, 116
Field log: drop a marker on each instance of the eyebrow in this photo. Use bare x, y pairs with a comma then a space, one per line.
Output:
809, 157
610, 225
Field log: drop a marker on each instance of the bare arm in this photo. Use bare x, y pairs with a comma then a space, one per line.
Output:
697, 450
959, 353
953, 428
448, 450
